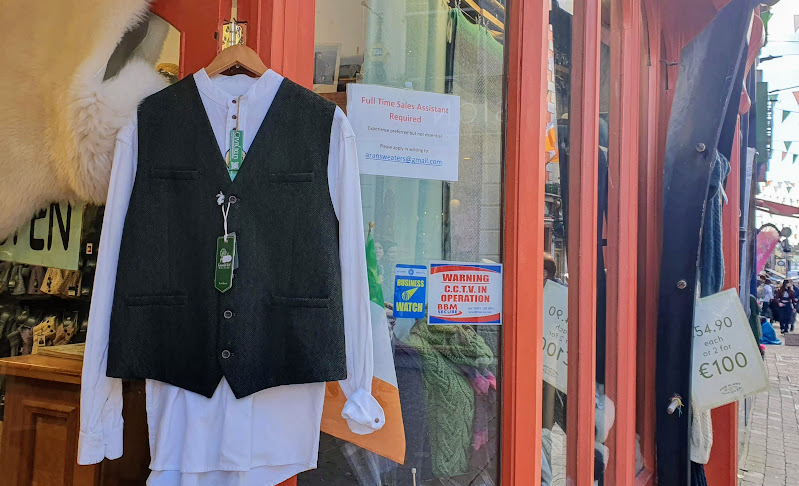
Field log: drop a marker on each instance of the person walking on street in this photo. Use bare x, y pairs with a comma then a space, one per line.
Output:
767, 298
786, 300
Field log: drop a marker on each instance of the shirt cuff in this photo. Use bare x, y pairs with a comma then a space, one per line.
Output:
94, 447
363, 414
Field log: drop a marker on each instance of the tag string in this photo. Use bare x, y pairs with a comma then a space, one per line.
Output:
238, 114
225, 211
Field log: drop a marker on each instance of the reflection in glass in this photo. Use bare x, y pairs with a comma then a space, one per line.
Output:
556, 276
155, 41
447, 376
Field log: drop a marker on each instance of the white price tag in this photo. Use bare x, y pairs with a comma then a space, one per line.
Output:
727, 366
556, 334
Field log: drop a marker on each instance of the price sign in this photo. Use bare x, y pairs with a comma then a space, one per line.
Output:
556, 334
727, 366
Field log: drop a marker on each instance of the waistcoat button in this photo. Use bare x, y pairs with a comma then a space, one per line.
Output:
225, 354
228, 314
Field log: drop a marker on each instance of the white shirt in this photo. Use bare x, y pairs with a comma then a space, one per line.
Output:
769, 293
272, 435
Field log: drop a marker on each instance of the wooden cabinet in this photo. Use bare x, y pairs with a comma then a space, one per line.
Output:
40, 429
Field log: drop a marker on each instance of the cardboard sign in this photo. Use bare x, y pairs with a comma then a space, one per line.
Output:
727, 365
556, 334
50, 239
410, 291
465, 293
405, 133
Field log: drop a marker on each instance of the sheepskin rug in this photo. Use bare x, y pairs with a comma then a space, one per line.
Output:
58, 119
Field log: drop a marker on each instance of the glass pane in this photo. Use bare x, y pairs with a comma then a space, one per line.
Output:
447, 376
605, 405
556, 271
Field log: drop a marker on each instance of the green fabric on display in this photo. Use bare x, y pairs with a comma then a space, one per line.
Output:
449, 395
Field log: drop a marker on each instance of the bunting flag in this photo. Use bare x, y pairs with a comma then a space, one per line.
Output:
796, 95
785, 114
788, 146
389, 441
795, 156
784, 154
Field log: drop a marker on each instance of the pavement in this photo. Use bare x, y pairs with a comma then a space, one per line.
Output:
769, 445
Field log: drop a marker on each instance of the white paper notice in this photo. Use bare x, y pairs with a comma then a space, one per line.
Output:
727, 366
556, 334
405, 133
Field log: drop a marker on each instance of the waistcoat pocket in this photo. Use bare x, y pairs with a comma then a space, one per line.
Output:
155, 300
291, 177
175, 174
300, 301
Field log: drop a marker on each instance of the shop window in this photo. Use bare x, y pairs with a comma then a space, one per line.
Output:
605, 403
448, 376
556, 241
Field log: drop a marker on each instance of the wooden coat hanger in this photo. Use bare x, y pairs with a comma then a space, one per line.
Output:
237, 57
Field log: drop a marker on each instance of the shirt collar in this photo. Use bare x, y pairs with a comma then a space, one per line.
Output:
264, 87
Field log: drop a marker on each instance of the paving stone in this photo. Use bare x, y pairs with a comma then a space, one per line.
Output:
770, 455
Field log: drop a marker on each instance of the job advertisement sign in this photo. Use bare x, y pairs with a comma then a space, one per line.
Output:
51, 238
405, 133
465, 293
727, 366
556, 334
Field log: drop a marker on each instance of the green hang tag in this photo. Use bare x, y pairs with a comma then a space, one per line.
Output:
236, 154
225, 256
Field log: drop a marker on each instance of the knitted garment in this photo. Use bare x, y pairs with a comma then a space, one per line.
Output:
698, 477
701, 436
711, 251
449, 395
754, 318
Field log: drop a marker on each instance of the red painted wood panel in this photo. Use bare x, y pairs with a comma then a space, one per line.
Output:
649, 217
583, 181
524, 241
722, 470
282, 32
622, 236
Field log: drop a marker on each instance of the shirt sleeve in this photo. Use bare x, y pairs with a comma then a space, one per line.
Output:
362, 412
101, 397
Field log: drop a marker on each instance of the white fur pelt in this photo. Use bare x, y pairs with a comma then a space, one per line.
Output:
58, 119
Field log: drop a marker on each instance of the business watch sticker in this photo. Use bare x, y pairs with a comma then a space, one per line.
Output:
410, 291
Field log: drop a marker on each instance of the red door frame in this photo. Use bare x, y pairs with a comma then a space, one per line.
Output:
525, 178
620, 379
582, 254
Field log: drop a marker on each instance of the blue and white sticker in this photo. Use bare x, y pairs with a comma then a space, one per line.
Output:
410, 291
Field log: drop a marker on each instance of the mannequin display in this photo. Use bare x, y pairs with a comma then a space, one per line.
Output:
234, 374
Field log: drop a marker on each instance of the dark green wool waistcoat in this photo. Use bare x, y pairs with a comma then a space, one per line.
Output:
282, 321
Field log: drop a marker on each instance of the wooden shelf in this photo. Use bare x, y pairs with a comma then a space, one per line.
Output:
48, 368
